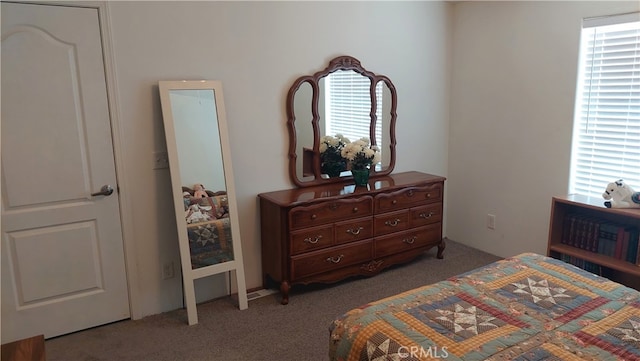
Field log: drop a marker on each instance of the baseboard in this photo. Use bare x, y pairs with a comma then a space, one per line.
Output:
253, 295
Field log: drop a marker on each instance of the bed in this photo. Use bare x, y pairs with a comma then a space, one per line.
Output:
208, 228
527, 307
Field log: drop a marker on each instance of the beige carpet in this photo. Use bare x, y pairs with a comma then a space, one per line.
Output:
266, 330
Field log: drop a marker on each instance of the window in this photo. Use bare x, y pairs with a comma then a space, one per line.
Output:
348, 106
606, 143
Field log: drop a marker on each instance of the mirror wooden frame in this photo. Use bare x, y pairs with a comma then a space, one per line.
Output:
190, 274
338, 63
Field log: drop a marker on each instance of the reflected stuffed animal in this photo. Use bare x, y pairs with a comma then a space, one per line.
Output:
195, 214
199, 191
621, 195
186, 198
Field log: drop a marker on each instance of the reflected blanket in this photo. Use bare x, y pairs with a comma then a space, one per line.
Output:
527, 307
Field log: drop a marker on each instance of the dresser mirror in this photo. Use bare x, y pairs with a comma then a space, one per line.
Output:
202, 183
345, 99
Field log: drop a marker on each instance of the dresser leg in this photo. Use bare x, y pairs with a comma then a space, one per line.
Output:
284, 291
441, 248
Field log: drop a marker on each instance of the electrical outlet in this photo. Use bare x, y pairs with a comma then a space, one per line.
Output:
491, 221
160, 160
168, 271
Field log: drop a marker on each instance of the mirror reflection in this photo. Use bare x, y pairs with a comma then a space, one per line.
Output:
304, 131
344, 105
338, 101
206, 206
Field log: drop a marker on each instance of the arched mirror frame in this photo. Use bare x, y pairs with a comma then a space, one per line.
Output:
189, 273
339, 63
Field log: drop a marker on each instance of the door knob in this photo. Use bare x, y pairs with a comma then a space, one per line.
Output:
106, 190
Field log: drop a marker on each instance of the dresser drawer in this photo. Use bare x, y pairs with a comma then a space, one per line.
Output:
330, 259
353, 230
396, 243
328, 212
408, 197
311, 238
391, 222
421, 216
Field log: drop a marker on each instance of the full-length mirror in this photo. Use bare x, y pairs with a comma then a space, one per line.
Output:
343, 99
202, 174
202, 184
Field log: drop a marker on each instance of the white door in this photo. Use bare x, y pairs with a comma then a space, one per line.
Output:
62, 251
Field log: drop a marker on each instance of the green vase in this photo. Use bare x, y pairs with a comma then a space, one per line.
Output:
360, 177
333, 169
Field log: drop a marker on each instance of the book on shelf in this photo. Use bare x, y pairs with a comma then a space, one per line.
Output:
620, 242
581, 232
633, 254
601, 236
607, 239
581, 263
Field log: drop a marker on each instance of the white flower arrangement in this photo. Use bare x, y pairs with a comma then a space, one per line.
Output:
331, 148
361, 154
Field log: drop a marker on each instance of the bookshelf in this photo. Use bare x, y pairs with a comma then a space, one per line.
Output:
575, 226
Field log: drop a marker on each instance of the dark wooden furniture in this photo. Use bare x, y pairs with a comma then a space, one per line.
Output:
616, 269
305, 119
330, 232
29, 349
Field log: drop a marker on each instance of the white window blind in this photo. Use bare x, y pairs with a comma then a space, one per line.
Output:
606, 144
348, 105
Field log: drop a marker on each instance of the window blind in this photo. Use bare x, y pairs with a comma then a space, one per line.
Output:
606, 144
348, 105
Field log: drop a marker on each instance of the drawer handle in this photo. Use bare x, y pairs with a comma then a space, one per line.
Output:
313, 240
410, 240
333, 206
355, 209
410, 193
313, 216
356, 231
425, 216
428, 195
335, 259
392, 223
394, 201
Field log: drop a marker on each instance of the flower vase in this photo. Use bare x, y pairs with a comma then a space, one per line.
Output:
360, 177
333, 169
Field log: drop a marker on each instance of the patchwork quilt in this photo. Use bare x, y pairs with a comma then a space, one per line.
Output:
528, 307
210, 242
208, 228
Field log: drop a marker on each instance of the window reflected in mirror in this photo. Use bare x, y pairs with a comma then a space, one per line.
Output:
347, 106
347, 100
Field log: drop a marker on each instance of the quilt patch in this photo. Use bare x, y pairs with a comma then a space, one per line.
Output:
379, 347
617, 334
210, 242
528, 307
465, 325
203, 235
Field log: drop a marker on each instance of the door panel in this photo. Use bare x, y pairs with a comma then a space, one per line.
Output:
62, 250
44, 250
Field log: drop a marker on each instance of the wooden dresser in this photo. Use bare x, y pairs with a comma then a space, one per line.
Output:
334, 231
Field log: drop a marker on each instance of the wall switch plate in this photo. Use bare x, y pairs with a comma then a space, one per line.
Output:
160, 160
168, 271
491, 221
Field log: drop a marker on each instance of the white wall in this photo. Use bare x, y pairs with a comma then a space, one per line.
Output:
257, 49
513, 87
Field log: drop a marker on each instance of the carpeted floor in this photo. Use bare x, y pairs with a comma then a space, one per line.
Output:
266, 330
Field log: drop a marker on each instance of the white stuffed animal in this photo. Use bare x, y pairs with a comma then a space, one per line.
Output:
195, 214
620, 195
